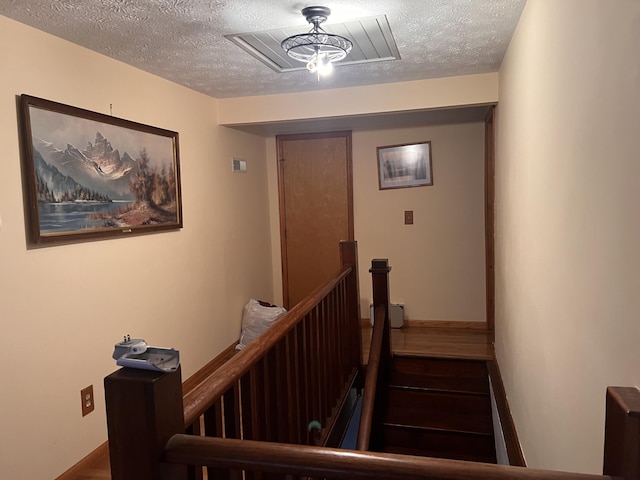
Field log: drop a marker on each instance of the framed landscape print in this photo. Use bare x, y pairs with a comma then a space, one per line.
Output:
88, 175
401, 166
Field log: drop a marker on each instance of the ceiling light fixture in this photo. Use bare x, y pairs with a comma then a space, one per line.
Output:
317, 48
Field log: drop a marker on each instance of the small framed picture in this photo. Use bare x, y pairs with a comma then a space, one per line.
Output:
402, 166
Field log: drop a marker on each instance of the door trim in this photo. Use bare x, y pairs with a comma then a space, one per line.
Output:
489, 202
282, 200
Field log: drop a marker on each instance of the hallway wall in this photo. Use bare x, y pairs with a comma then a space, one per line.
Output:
438, 269
567, 224
437, 264
63, 308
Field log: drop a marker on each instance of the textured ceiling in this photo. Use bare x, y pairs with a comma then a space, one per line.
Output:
184, 40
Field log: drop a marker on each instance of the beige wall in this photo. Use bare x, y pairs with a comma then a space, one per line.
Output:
62, 308
437, 263
431, 93
567, 224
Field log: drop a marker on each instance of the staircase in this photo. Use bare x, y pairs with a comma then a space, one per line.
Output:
439, 408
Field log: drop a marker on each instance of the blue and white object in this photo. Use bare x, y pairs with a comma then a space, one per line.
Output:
135, 353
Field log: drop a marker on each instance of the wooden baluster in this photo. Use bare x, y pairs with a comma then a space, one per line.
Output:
303, 384
247, 418
324, 363
338, 381
271, 396
349, 256
291, 391
330, 356
317, 367
257, 403
214, 427
346, 333
282, 388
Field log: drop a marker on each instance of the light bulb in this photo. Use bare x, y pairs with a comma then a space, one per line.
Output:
312, 65
324, 65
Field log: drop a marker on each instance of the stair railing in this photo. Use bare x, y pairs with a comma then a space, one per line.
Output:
300, 461
380, 360
287, 386
146, 418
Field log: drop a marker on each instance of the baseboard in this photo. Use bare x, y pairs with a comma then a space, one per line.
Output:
446, 324
86, 463
438, 324
198, 377
514, 450
189, 384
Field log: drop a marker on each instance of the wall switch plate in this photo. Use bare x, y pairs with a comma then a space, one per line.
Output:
408, 217
87, 400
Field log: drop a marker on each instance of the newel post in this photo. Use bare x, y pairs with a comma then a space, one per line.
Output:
380, 279
144, 409
622, 433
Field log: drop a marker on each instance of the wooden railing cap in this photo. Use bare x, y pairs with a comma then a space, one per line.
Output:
380, 264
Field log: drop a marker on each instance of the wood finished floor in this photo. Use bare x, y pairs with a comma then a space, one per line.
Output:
449, 342
414, 340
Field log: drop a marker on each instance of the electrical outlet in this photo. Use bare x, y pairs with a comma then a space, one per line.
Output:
87, 400
408, 217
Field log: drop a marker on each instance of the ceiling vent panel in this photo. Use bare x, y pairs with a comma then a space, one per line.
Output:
372, 42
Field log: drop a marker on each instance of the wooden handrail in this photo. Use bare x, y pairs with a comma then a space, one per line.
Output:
380, 357
146, 418
371, 378
213, 387
302, 460
298, 374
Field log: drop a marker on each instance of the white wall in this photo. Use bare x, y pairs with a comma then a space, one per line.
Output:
62, 308
567, 224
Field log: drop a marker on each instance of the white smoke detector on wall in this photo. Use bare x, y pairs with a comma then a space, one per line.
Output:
239, 166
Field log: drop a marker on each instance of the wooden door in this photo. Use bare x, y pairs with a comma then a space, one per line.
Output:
316, 208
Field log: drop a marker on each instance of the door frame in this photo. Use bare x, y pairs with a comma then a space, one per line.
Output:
282, 201
489, 215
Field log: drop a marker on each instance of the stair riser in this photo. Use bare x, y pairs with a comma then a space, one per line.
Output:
451, 384
440, 367
439, 444
421, 401
439, 408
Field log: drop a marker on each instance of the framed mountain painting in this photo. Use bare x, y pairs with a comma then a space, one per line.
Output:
88, 175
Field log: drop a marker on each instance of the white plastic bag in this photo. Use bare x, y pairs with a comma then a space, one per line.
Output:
256, 318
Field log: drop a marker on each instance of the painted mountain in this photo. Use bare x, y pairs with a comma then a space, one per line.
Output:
98, 168
53, 186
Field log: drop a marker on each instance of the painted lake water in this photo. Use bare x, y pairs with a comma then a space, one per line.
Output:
71, 216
